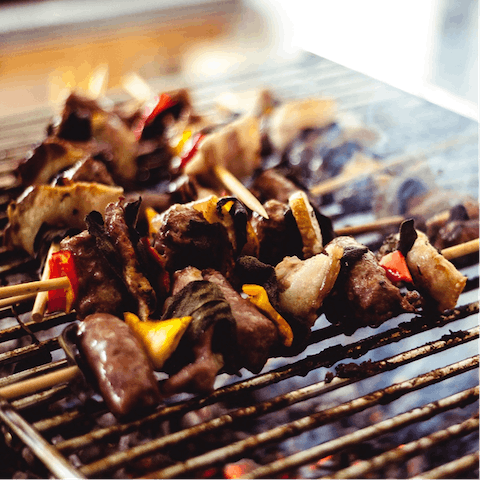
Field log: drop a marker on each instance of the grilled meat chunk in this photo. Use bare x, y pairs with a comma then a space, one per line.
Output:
362, 294
99, 289
256, 334
278, 235
120, 366
185, 238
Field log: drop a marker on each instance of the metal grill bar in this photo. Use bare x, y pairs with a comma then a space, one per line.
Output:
409, 450
315, 420
279, 433
222, 393
453, 469
353, 92
387, 426
57, 464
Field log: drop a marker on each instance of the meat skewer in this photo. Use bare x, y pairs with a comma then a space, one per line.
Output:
140, 91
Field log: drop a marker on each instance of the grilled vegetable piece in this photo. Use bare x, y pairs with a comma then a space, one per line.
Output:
363, 295
56, 206
304, 284
307, 224
159, 338
119, 364
258, 296
61, 264
209, 342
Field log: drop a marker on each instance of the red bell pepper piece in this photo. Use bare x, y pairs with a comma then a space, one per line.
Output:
164, 102
190, 154
62, 264
165, 277
396, 267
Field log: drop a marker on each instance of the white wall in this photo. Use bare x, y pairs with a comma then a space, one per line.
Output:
396, 41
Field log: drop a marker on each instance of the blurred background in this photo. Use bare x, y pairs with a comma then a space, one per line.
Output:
428, 48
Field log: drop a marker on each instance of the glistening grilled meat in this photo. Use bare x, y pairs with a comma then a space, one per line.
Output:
363, 295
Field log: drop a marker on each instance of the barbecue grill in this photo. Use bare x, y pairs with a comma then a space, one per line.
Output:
394, 402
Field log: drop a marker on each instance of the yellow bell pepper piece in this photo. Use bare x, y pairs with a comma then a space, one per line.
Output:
160, 338
177, 149
259, 297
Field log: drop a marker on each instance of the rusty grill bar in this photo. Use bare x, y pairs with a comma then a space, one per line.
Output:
292, 398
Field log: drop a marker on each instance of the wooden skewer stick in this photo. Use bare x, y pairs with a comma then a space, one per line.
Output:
34, 287
140, 90
40, 305
6, 302
460, 250
371, 226
36, 384
238, 189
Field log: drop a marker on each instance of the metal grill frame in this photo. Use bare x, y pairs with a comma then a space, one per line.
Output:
358, 94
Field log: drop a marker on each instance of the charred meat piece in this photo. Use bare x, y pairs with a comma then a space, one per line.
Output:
278, 235
185, 238
55, 206
116, 239
458, 228
209, 344
271, 184
362, 294
100, 290
256, 334
304, 284
120, 366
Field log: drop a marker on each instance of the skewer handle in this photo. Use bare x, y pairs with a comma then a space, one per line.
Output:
34, 287
371, 226
6, 302
460, 250
36, 384
40, 305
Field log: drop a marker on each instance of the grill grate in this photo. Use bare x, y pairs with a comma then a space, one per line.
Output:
413, 390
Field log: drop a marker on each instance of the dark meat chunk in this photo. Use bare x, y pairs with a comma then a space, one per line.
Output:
99, 289
271, 184
121, 235
256, 334
278, 235
120, 366
363, 295
208, 345
185, 238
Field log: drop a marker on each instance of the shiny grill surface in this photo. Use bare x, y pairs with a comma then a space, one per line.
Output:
413, 396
